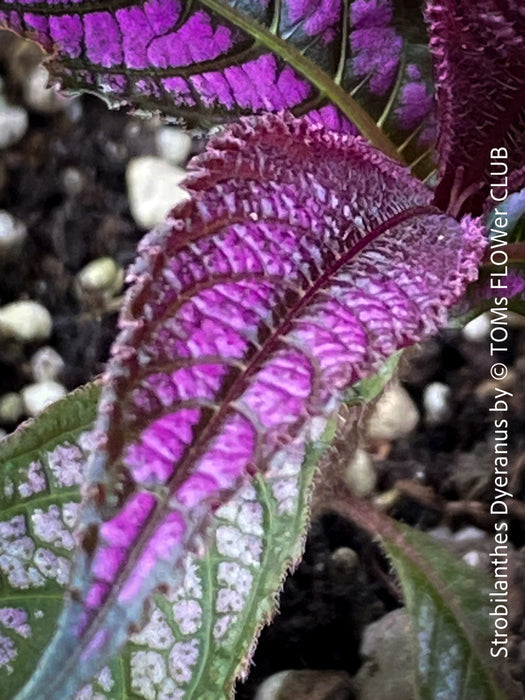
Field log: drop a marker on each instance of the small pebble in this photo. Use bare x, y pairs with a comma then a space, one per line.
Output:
173, 145
469, 534
153, 189
387, 648
11, 407
74, 111
41, 98
478, 560
360, 474
272, 686
12, 233
477, 329
46, 364
386, 500
73, 181
436, 402
13, 124
346, 559
26, 321
102, 274
395, 415
306, 684
487, 388
442, 533
515, 320
40, 395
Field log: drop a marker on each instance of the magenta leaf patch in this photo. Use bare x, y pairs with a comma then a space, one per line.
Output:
479, 51
303, 260
213, 60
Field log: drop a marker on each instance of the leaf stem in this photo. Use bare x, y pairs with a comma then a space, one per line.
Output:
344, 45
394, 93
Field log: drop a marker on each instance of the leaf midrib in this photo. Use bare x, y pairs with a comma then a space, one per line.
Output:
268, 346
266, 349
162, 508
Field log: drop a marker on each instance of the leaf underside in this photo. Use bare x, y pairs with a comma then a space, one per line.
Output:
449, 605
345, 64
253, 310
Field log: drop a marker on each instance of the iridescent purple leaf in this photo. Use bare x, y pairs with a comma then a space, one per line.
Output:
479, 51
303, 260
200, 635
212, 60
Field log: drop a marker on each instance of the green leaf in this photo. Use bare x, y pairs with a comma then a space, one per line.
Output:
449, 604
41, 465
369, 389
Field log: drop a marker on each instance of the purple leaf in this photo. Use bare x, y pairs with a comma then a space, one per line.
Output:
377, 46
218, 59
303, 260
389, 72
479, 51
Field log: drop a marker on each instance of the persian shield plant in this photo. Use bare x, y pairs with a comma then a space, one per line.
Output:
325, 231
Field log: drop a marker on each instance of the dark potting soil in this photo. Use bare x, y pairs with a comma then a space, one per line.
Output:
442, 471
